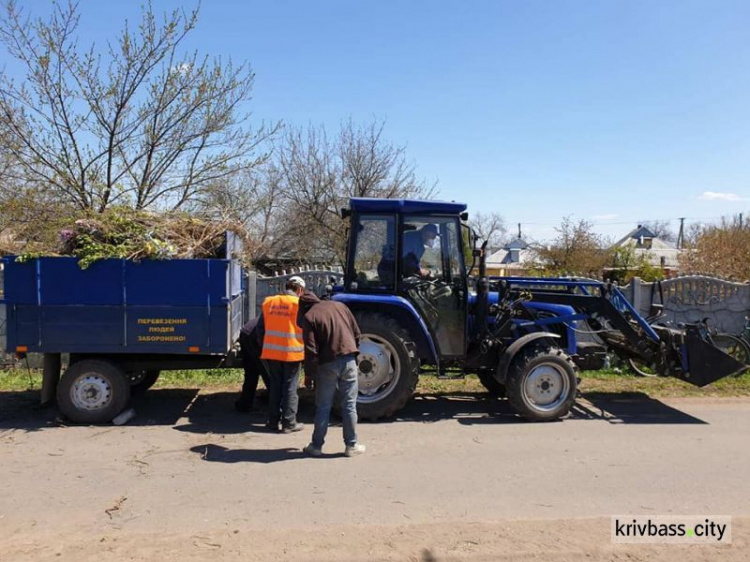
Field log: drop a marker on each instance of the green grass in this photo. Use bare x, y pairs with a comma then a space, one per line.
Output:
591, 381
24, 379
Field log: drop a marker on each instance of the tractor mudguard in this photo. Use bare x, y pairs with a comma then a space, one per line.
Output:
403, 311
507, 357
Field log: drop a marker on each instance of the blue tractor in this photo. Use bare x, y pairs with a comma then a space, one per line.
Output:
409, 282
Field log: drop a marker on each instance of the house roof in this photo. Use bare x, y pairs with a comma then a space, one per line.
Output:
517, 244
659, 249
636, 234
503, 257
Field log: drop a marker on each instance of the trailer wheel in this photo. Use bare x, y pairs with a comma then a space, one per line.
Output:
141, 381
388, 371
93, 391
542, 384
490, 383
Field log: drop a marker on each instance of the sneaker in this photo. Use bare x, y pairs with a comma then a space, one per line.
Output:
354, 450
270, 426
293, 428
312, 450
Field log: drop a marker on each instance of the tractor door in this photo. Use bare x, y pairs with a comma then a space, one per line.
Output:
372, 259
432, 276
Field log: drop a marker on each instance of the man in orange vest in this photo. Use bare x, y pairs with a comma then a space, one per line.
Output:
283, 351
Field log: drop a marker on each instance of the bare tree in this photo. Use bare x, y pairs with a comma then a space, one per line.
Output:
490, 227
577, 250
142, 123
373, 167
722, 250
317, 176
253, 199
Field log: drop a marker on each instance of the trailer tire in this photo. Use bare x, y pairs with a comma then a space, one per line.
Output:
542, 384
491, 384
141, 381
93, 391
388, 370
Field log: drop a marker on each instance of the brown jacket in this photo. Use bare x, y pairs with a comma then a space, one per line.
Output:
329, 330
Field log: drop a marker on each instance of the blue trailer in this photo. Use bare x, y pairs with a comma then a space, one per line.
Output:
121, 323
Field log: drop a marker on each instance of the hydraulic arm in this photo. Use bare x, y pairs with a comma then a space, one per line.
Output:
686, 351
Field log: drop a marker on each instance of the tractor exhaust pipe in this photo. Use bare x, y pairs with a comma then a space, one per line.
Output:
483, 290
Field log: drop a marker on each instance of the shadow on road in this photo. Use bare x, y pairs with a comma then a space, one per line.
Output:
468, 409
217, 453
21, 410
631, 408
188, 410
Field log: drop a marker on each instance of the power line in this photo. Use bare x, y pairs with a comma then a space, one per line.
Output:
635, 221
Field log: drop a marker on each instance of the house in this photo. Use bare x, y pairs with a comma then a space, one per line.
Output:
516, 258
656, 252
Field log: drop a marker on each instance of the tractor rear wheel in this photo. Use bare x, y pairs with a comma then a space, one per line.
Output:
542, 384
388, 370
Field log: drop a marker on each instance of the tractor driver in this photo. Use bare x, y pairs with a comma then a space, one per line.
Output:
415, 243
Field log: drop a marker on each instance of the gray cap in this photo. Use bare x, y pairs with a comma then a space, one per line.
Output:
296, 280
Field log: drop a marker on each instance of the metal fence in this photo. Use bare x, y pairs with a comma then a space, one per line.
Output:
315, 280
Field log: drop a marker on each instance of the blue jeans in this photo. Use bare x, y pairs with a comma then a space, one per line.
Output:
341, 374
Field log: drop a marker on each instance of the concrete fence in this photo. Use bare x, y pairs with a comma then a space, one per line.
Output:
692, 298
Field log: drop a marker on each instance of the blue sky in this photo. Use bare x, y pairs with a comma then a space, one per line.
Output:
613, 111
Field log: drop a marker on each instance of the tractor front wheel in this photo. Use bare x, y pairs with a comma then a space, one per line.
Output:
542, 384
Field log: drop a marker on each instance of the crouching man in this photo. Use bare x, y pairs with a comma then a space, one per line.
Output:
331, 337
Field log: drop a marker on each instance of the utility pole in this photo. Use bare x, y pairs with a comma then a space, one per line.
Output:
681, 235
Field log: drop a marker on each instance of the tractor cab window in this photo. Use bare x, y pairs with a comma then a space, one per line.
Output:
433, 278
374, 260
420, 249
430, 249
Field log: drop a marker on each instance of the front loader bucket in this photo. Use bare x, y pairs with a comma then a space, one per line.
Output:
707, 363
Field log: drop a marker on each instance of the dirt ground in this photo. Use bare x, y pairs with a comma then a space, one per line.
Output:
454, 478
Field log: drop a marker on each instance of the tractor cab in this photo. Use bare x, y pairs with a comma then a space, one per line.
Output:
414, 252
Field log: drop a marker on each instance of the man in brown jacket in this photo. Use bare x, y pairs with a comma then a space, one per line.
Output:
331, 337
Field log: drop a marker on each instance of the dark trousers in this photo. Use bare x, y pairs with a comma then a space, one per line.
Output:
254, 370
282, 393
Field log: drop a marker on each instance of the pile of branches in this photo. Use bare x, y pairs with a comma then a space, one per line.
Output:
127, 234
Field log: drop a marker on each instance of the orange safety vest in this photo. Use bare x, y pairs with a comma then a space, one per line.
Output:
282, 340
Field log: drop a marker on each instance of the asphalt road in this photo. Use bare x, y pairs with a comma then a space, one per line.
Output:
188, 464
